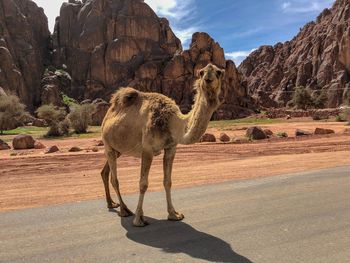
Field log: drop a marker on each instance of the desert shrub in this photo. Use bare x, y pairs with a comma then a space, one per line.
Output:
302, 98
64, 127
282, 134
320, 101
345, 114
68, 101
80, 117
52, 115
290, 104
338, 118
12, 112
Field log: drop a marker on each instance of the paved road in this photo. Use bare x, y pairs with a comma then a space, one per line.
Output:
291, 218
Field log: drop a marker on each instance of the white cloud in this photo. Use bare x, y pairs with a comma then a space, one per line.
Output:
180, 15
239, 56
172, 9
303, 6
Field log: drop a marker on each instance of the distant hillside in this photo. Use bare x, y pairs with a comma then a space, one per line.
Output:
317, 58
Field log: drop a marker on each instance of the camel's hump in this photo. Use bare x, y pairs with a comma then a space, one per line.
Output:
125, 97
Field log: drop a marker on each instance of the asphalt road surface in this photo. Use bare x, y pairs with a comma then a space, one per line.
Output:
303, 217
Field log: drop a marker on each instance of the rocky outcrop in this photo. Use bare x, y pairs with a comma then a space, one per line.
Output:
24, 38
317, 58
105, 45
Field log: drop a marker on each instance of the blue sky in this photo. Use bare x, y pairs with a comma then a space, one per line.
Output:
240, 26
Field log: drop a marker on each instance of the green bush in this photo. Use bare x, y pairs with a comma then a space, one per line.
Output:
64, 127
320, 101
12, 112
80, 117
282, 134
68, 101
52, 115
302, 98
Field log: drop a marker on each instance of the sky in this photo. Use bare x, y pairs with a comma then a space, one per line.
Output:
240, 26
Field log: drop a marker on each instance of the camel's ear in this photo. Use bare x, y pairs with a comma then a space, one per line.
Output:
200, 73
220, 73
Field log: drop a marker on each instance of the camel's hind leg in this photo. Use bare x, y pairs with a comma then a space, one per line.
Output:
146, 162
112, 162
169, 155
105, 178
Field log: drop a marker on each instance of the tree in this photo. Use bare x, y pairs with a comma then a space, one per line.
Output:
52, 115
302, 98
80, 117
12, 112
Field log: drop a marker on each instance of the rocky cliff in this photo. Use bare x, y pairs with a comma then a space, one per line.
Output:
105, 44
317, 58
24, 38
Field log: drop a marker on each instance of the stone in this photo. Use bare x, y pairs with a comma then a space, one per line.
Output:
299, 132
322, 131
268, 132
240, 140
318, 56
39, 123
23, 141
4, 145
207, 137
224, 137
94, 149
99, 143
39, 145
74, 149
52, 149
255, 133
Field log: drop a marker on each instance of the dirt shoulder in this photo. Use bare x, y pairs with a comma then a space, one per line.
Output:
34, 179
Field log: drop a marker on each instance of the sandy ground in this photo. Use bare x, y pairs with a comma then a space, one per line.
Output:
33, 179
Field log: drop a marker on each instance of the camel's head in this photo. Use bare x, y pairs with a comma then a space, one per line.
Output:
210, 78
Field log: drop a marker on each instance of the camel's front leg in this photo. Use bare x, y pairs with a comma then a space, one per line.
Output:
145, 167
169, 155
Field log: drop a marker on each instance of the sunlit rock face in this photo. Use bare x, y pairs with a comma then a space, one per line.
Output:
24, 39
109, 44
317, 58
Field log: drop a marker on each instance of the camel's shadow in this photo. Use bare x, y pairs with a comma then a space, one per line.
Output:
179, 237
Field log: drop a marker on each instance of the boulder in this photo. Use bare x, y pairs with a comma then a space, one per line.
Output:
208, 137
52, 149
319, 131
255, 133
39, 123
23, 141
39, 145
224, 137
74, 149
4, 145
268, 132
299, 132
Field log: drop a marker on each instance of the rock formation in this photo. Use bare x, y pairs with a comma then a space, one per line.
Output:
24, 38
108, 44
317, 58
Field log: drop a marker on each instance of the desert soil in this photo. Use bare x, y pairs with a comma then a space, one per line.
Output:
33, 179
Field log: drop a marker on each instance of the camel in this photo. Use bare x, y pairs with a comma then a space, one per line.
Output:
143, 124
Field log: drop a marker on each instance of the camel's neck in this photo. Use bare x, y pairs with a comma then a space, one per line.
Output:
197, 119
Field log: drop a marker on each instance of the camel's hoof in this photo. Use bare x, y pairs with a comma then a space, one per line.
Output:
112, 205
140, 222
175, 216
125, 212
